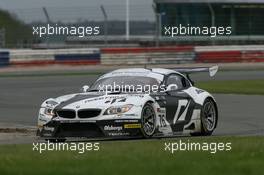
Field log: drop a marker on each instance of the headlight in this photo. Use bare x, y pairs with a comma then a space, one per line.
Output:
48, 111
118, 109
51, 102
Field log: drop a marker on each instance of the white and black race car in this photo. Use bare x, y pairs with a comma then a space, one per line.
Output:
133, 102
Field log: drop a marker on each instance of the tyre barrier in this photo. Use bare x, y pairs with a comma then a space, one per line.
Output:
218, 56
129, 56
148, 58
78, 58
28, 57
146, 49
148, 55
229, 56
252, 56
4, 58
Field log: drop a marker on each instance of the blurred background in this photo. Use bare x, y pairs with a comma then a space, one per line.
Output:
135, 23
17, 19
132, 24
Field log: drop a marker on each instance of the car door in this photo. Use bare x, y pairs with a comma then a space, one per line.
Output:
179, 105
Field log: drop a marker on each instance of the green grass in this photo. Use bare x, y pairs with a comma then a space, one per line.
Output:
252, 87
16, 31
138, 157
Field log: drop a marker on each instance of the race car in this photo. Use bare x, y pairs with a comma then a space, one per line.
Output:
134, 102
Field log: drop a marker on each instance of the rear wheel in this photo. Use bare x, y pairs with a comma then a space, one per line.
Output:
148, 121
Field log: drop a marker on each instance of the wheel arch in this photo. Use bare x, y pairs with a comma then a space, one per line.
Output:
149, 101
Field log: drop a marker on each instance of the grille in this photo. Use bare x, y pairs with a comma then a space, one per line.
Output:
66, 114
79, 130
88, 113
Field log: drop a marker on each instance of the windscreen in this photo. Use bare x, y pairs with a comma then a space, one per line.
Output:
125, 82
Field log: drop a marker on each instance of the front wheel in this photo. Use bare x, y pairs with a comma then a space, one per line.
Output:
148, 121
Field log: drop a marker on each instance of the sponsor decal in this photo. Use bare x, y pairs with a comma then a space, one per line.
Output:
94, 99
113, 128
199, 91
161, 110
126, 121
130, 126
115, 100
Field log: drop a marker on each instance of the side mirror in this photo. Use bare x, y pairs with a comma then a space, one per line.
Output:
172, 87
85, 88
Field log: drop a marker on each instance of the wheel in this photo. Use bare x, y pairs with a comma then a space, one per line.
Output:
148, 121
208, 118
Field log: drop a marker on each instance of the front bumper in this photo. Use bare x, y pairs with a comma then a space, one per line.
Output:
91, 129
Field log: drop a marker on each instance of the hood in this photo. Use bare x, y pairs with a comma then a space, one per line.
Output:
96, 100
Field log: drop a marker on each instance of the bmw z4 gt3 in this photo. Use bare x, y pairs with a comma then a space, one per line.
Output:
132, 103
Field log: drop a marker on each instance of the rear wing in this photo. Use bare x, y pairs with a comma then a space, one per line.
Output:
189, 70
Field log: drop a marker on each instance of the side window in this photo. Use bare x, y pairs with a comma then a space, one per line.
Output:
180, 81
185, 83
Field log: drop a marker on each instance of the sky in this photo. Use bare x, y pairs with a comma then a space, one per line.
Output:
72, 10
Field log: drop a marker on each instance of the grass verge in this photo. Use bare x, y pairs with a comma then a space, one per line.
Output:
139, 157
251, 87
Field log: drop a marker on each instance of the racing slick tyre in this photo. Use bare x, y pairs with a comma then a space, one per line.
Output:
208, 118
148, 121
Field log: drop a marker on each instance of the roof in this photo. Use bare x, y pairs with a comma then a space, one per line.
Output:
157, 73
210, 1
163, 71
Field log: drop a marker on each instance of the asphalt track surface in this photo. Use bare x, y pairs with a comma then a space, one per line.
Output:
20, 98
